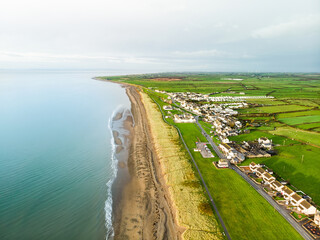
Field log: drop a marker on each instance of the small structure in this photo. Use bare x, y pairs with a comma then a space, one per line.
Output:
265, 143
184, 118
204, 150
277, 186
287, 192
223, 163
307, 208
295, 199
268, 178
253, 166
168, 107
317, 219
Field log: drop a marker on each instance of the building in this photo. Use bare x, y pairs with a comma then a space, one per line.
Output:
253, 166
168, 107
317, 218
287, 192
277, 186
268, 178
307, 208
184, 118
260, 171
295, 199
223, 163
265, 143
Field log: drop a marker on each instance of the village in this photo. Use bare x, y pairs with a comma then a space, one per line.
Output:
220, 113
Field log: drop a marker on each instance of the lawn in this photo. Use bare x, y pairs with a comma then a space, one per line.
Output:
298, 134
300, 120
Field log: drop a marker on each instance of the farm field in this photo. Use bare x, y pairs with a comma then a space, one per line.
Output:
298, 134
297, 114
275, 109
300, 120
310, 126
299, 164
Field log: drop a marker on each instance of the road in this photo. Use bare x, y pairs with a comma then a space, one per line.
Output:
201, 178
213, 145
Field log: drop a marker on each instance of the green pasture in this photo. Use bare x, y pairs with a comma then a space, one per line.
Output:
300, 120
297, 114
309, 126
298, 134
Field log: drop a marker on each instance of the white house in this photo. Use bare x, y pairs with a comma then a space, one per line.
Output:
295, 199
223, 163
168, 107
277, 186
267, 178
265, 143
184, 118
317, 218
307, 208
287, 192
253, 166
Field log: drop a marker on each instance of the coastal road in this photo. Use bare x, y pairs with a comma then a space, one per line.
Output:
273, 203
202, 180
213, 145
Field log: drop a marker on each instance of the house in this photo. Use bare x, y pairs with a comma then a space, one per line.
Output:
277, 186
287, 192
265, 143
295, 199
307, 208
260, 171
184, 118
253, 166
168, 107
268, 178
223, 163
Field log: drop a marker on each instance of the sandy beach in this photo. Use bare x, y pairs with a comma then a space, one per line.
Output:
143, 209
156, 194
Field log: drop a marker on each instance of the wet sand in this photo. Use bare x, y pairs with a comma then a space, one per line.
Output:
142, 205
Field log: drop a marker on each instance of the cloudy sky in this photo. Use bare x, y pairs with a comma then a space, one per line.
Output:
161, 35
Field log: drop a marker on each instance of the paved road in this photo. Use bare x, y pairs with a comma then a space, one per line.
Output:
214, 146
202, 180
273, 203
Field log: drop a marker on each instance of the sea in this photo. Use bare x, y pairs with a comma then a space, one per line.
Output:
57, 163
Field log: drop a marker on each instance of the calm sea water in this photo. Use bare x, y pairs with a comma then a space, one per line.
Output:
55, 154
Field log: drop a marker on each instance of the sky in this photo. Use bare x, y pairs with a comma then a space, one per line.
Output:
161, 35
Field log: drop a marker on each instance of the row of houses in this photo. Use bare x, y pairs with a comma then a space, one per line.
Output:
292, 198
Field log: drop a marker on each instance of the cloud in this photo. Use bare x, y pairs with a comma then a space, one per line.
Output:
213, 53
303, 25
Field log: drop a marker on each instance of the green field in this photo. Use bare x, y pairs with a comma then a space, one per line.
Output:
300, 120
298, 134
297, 114
237, 201
299, 164
310, 126
275, 109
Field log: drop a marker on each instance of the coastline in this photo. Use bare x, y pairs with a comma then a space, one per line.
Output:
142, 206
160, 197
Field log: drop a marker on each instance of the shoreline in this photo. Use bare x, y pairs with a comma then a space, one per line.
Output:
162, 197
142, 208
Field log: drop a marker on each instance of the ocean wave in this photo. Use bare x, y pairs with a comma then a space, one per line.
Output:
114, 163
